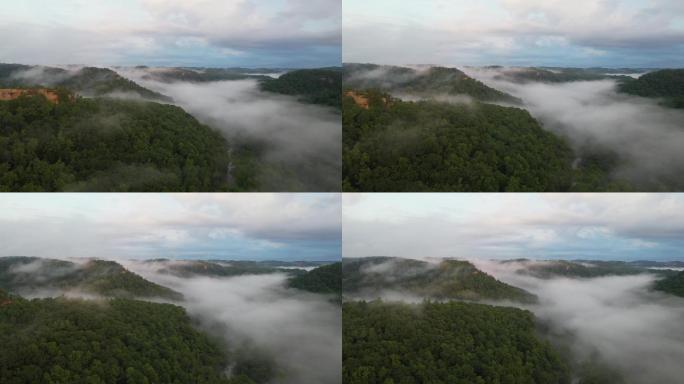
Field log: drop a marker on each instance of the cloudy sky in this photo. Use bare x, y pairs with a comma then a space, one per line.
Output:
229, 226
616, 33
543, 226
250, 33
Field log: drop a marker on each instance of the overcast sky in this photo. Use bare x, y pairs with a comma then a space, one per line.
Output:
252, 33
616, 33
543, 226
228, 226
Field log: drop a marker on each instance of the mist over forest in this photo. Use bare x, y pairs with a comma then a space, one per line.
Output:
258, 328
603, 322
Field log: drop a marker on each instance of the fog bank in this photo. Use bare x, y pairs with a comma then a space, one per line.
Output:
647, 138
299, 143
633, 329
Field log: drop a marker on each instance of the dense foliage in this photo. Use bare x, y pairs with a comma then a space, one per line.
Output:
548, 75
427, 81
673, 284
326, 279
64, 341
316, 86
450, 279
199, 75
428, 146
667, 84
547, 269
107, 145
190, 268
28, 275
87, 81
444, 343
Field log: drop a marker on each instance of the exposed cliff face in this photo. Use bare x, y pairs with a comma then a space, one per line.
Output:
14, 93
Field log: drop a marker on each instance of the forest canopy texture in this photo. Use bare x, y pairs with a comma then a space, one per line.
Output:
107, 145
454, 343
64, 341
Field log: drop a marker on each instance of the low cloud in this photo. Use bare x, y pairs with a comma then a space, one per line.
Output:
633, 329
646, 137
301, 140
300, 331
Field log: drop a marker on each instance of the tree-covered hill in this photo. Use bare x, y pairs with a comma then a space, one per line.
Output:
315, 86
547, 269
393, 145
192, 268
31, 275
65, 341
105, 144
449, 279
86, 81
454, 343
665, 84
200, 75
326, 279
552, 75
673, 284
420, 82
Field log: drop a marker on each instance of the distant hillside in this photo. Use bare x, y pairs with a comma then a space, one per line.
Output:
315, 86
87, 81
450, 279
30, 275
190, 268
445, 343
118, 341
390, 145
546, 269
108, 145
551, 75
326, 279
199, 75
429, 81
673, 284
666, 84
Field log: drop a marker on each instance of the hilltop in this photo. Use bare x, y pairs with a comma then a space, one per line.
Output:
326, 279
421, 82
85, 81
665, 84
448, 279
314, 86
32, 275
672, 284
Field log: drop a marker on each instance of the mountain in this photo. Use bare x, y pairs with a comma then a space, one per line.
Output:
31, 275
449, 279
117, 341
326, 279
523, 75
390, 145
314, 86
547, 269
672, 284
445, 343
192, 268
422, 82
106, 144
199, 75
86, 81
665, 84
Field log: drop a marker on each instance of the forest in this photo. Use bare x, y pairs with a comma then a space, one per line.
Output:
70, 341
326, 279
31, 275
453, 342
420, 81
371, 277
314, 86
673, 284
665, 84
430, 146
107, 145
